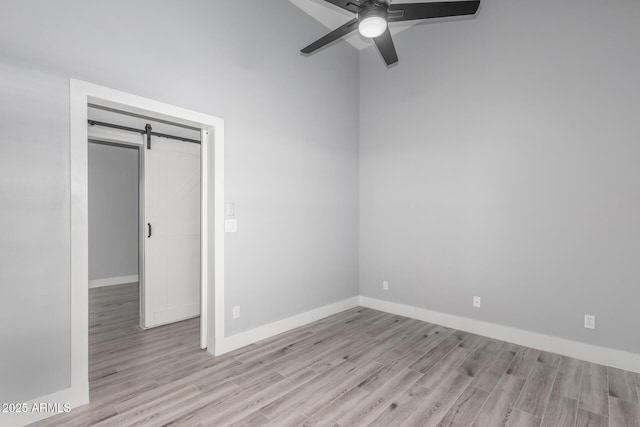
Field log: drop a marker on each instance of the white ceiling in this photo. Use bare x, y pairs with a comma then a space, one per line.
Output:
332, 17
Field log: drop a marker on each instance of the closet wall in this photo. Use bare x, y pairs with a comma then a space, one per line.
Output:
113, 214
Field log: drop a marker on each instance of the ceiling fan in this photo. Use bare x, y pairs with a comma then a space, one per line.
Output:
373, 17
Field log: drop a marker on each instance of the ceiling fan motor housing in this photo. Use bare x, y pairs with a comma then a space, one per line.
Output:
373, 9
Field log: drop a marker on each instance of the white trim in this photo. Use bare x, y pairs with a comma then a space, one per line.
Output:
79, 387
141, 229
218, 245
204, 235
263, 332
591, 353
59, 397
82, 94
115, 136
111, 281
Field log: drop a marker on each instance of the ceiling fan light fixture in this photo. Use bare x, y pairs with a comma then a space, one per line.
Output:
372, 26
373, 17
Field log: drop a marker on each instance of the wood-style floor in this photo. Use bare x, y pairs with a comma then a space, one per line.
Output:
360, 367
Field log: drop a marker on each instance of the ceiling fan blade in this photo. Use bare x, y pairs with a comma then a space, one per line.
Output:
411, 11
385, 45
332, 36
352, 6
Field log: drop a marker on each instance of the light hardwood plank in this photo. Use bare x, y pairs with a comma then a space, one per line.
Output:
288, 418
151, 409
480, 358
341, 354
307, 390
590, 419
391, 369
594, 392
568, 379
535, 395
523, 362
435, 337
434, 355
251, 420
520, 418
401, 408
487, 378
623, 413
465, 409
561, 411
622, 386
437, 404
331, 391
397, 348
500, 402
442, 369
372, 406
248, 402
329, 414
86, 418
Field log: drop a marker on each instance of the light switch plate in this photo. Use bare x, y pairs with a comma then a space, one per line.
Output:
231, 209
230, 226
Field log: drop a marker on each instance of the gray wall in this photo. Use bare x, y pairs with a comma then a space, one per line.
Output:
501, 159
113, 211
291, 155
34, 225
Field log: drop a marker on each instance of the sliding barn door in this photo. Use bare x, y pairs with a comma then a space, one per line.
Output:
171, 290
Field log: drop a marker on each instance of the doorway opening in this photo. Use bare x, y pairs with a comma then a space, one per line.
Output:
144, 213
144, 249
113, 244
210, 241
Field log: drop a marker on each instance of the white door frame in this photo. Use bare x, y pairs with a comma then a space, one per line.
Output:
81, 95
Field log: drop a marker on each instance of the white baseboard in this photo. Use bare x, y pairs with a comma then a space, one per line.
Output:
74, 398
111, 281
251, 336
578, 350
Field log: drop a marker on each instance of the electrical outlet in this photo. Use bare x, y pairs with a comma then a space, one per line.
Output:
230, 226
476, 302
385, 285
589, 321
236, 312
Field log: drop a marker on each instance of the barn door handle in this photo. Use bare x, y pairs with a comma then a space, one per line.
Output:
149, 225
